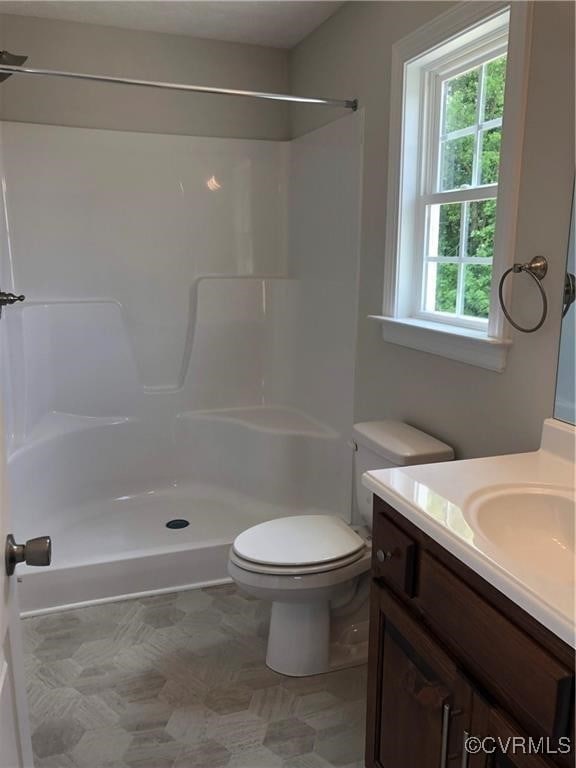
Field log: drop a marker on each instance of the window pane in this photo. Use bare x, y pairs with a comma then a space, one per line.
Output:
481, 227
495, 74
477, 280
457, 161
460, 99
490, 157
448, 245
442, 287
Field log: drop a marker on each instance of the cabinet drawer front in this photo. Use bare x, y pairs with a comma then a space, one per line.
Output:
393, 555
532, 683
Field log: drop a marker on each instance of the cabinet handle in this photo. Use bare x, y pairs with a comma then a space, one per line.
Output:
465, 753
445, 733
382, 556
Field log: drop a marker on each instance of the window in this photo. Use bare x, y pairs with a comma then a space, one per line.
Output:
460, 200
453, 178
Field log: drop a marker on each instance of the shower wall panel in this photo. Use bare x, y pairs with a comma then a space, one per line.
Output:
117, 240
313, 351
324, 244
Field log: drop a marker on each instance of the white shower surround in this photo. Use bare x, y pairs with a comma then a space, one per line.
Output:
186, 349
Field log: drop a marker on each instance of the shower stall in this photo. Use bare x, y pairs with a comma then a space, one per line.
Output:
182, 367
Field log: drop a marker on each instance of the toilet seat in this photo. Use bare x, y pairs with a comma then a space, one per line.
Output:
287, 570
301, 543
299, 588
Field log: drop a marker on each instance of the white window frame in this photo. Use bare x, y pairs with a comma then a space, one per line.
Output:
438, 49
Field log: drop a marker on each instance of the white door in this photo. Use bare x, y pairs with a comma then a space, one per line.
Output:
15, 744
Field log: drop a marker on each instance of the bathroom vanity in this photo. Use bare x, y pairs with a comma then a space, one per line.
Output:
467, 640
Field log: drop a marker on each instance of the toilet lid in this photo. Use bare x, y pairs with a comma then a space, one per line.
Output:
298, 540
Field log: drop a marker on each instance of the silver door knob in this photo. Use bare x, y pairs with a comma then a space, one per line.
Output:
10, 298
35, 552
383, 556
6, 299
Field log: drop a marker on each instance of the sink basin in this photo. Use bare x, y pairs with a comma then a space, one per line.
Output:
532, 525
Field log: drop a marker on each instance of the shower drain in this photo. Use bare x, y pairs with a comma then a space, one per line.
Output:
176, 524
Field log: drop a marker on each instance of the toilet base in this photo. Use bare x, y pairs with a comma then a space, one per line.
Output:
302, 642
299, 638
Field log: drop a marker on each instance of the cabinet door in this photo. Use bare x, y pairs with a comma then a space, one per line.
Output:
505, 745
419, 705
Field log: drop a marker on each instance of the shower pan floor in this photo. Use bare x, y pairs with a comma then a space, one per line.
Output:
138, 522
112, 548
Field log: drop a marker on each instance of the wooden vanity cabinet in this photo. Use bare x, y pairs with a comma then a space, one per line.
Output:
451, 657
419, 702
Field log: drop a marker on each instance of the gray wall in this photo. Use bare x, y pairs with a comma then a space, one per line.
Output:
478, 411
146, 55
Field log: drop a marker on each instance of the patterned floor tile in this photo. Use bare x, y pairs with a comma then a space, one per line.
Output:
226, 699
101, 747
340, 746
311, 760
179, 681
205, 753
239, 732
154, 747
258, 758
289, 737
273, 703
189, 725
54, 737
57, 761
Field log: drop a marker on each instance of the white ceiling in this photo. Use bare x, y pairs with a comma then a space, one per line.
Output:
268, 22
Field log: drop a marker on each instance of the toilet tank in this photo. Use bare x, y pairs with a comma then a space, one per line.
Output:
384, 444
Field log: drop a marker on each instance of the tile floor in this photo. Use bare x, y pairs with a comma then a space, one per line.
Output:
179, 681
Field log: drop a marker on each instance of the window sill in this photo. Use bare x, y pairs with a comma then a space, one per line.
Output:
462, 344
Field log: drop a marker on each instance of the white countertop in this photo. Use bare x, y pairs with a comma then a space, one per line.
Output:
438, 499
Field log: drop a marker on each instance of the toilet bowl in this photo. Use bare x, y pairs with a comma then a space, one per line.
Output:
314, 569
303, 565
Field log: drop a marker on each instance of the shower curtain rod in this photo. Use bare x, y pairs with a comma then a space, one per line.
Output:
343, 103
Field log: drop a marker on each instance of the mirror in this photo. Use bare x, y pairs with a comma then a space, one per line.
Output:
565, 407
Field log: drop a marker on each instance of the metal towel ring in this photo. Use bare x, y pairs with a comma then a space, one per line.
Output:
536, 268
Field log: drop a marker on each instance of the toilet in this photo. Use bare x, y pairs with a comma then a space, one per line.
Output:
313, 568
